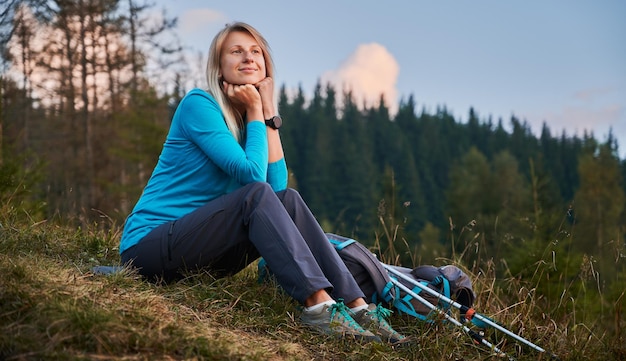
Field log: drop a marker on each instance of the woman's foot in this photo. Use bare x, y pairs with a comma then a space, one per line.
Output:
335, 319
374, 319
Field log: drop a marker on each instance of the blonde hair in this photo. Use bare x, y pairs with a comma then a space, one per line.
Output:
234, 119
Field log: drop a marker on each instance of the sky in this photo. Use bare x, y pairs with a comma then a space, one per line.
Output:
562, 62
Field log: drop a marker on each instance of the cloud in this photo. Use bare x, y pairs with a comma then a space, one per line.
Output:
368, 72
593, 110
197, 21
589, 95
577, 119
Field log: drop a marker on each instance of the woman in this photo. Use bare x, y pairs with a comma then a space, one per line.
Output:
218, 197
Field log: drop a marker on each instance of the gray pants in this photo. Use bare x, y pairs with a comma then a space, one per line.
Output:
230, 232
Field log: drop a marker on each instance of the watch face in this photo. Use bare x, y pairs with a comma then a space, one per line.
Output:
274, 122
278, 122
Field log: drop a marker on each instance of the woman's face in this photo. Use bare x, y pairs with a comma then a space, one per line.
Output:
242, 60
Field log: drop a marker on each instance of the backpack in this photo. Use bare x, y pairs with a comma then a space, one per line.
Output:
378, 285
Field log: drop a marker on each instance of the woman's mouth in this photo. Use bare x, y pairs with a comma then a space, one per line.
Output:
247, 70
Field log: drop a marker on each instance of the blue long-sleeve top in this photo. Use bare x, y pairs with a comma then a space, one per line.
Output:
200, 161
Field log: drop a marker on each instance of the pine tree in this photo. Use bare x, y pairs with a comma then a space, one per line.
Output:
599, 205
354, 190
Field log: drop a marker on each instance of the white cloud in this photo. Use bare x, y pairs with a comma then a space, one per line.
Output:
369, 72
195, 21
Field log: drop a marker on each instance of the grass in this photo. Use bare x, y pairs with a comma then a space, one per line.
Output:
52, 307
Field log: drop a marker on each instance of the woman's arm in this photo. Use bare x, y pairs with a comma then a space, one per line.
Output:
275, 146
201, 122
277, 171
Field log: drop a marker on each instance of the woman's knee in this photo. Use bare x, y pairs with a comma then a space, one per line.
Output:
292, 200
259, 194
291, 195
258, 186
259, 189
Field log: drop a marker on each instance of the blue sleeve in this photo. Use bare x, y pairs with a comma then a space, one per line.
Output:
202, 123
277, 175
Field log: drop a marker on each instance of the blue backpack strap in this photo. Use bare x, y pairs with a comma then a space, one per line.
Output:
404, 305
389, 291
443, 283
364, 267
386, 295
339, 245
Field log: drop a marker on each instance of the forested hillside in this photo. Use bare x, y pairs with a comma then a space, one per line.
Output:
443, 186
82, 124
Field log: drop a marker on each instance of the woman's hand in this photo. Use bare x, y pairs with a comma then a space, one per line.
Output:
266, 90
247, 98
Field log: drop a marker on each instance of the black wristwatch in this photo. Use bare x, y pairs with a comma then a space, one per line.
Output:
274, 122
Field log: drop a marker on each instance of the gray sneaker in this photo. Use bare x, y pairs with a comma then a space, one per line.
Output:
374, 319
335, 319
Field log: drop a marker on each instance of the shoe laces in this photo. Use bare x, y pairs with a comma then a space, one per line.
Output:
381, 314
343, 310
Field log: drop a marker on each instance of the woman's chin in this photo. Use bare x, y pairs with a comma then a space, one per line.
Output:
244, 81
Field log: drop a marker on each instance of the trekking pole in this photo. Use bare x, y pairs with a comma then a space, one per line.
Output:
469, 312
474, 335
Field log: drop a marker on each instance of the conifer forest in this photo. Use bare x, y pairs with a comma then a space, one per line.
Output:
83, 120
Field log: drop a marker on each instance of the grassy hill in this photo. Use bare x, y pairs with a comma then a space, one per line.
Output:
53, 308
